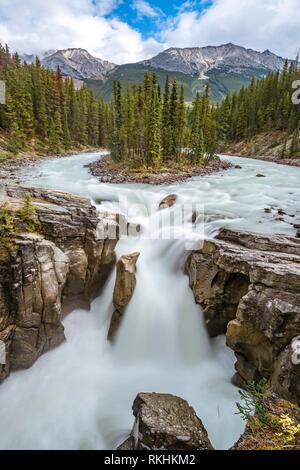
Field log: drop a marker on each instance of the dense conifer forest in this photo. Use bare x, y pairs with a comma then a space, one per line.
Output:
44, 111
266, 105
144, 124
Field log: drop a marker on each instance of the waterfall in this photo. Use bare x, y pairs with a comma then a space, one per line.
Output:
79, 396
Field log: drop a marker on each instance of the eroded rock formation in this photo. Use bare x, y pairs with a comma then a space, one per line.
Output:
124, 289
249, 288
49, 273
165, 422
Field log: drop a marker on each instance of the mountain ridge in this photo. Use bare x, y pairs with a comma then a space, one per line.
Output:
193, 60
226, 68
78, 63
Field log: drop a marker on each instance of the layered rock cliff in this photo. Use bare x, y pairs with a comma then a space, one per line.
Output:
49, 272
249, 288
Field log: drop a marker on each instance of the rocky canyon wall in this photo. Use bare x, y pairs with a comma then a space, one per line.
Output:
248, 286
50, 272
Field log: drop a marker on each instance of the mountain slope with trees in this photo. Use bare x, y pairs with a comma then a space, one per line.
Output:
44, 112
266, 106
145, 124
225, 68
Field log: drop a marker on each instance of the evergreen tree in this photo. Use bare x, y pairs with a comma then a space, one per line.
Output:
166, 122
196, 146
173, 120
180, 124
153, 153
116, 147
15, 143
294, 148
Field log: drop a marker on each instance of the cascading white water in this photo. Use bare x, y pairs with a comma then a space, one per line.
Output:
79, 396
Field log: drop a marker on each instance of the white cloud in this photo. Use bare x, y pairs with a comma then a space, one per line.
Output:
257, 24
35, 26
144, 8
103, 7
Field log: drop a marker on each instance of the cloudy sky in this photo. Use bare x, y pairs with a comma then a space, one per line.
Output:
128, 31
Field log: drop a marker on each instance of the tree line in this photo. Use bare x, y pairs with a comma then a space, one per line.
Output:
45, 111
143, 124
265, 105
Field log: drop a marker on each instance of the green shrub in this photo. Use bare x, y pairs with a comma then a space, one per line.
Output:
28, 215
7, 221
7, 229
253, 402
12, 222
3, 157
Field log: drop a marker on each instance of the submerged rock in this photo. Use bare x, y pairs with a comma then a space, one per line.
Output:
124, 289
168, 201
249, 288
46, 274
165, 422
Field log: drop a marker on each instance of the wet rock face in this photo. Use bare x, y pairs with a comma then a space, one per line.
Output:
165, 422
49, 273
285, 379
124, 289
217, 291
249, 288
31, 295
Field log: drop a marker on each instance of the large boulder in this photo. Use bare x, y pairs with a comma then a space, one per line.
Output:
124, 289
249, 288
165, 422
47, 274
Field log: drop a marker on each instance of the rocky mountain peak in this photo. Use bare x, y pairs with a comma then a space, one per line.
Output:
78, 63
198, 60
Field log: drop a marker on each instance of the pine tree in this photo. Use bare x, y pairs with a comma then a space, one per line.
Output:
92, 120
15, 143
116, 149
55, 134
284, 148
196, 146
173, 120
180, 124
294, 148
165, 136
153, 153
28, 215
